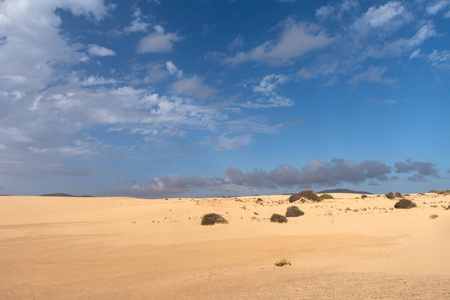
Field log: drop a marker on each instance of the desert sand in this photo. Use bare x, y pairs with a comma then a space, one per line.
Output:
126, 248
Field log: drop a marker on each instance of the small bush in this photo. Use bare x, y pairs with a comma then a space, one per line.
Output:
433, 191
406, 195
405, 204
308, 194
390, 195
211, 219
294, 198
363, 196
398, 195
278, 218
282, 262
433, 216
326, 196
294, 211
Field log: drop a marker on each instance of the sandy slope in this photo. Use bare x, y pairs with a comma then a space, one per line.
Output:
116, 248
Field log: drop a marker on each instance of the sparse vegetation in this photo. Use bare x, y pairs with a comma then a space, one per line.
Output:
398, 195
282, 262
406, 195
308, 194
278, 218
294, 211
405, 204
211, 219
363, 196
390, 195
433, 191
326, 196
433, 216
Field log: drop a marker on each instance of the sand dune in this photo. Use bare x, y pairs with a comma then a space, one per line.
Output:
116, 248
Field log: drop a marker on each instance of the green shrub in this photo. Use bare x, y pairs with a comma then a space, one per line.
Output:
282, 262
294, 198
326, 196
433, 191
308, 194
398, 195
390, 195
433, 216
363, 196
406, 195
211, 219
294, 211
278, 218
405, 204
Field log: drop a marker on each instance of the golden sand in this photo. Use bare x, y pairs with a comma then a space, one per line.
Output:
126, 248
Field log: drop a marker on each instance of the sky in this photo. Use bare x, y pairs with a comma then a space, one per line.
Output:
166, 98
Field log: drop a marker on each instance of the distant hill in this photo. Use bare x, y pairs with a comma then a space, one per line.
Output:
347, 191
4, 195
63, 195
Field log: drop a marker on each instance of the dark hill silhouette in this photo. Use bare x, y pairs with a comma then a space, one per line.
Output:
343, 191
63, 195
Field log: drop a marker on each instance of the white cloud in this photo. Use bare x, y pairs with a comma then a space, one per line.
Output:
96, 50
269, 83
387, 17
137, 25
173, 70
192, 86
433, 9
401, 46
372, 74
158, 41
440, 59
296, 39
416, 53
223, 142
95, 80
238, 42
31, 40
272, 101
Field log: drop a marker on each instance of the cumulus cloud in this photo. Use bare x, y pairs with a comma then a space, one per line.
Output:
192, 86
421, 170
269, 83
158, 41
97, 80
53, 125
316, 173
96, 50
387, 17
173, 70
295, 40
31, 41
137, 24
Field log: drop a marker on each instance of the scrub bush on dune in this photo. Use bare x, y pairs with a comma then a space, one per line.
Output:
278, 218
211, 219
405, 204
294, 211
308, 195
390, 195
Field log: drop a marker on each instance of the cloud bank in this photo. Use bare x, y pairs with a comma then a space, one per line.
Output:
315, 174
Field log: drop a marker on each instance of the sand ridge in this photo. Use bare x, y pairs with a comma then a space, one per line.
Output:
138, 248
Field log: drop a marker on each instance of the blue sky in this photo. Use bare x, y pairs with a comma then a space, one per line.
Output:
160, 98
